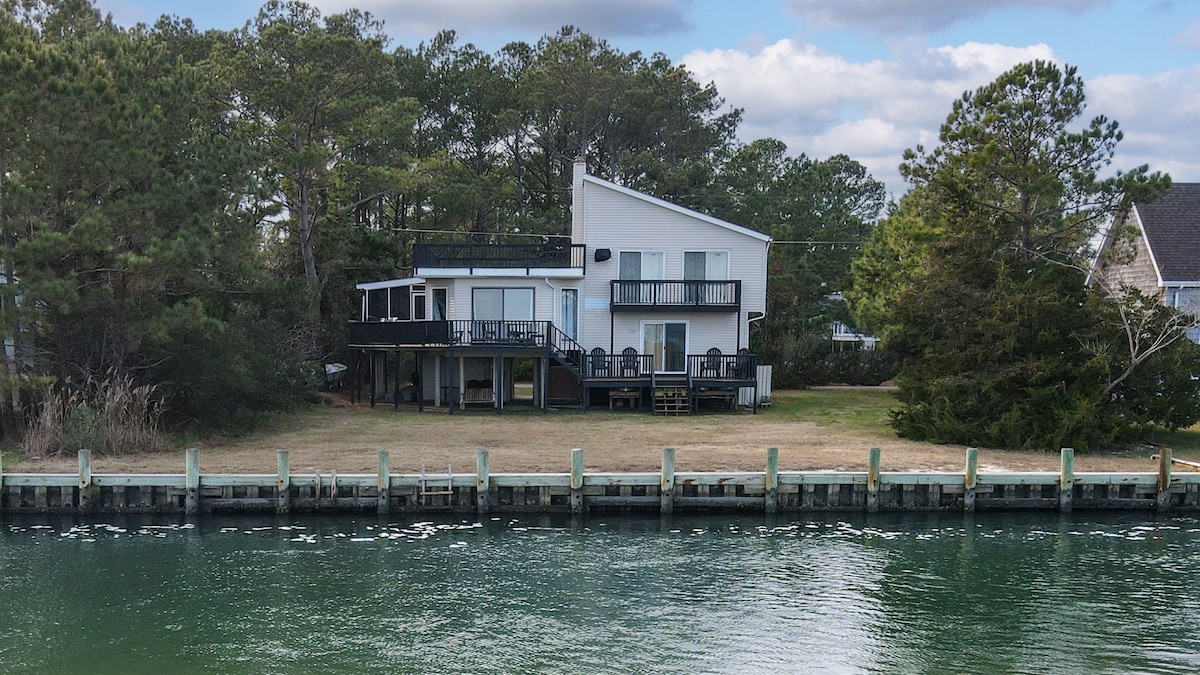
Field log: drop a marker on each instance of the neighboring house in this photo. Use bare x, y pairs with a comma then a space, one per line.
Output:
649, 302
1164, 262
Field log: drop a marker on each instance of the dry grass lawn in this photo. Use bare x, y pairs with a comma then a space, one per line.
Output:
814, 430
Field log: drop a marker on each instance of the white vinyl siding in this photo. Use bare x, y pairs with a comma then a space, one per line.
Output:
623, 223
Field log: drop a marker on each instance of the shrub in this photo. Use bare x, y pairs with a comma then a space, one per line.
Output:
111, 416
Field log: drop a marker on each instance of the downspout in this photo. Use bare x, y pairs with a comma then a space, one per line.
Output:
750, 320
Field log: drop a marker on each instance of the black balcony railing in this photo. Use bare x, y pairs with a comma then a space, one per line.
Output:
739, 367
703, 296
448, 333
499, 256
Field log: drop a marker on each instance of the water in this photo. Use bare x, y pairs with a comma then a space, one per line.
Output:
894, 593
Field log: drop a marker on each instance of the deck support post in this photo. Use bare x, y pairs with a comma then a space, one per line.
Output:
873, 480
577, 480
283, 482
483, 480
970, 479
383, 486
1164, 479
85, 480
191, 481
771, 482
1066, 483
666, 487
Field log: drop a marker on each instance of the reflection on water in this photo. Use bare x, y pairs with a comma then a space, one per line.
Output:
886, 593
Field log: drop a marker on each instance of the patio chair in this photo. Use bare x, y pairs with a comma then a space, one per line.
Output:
710, 366
600, 365
629, 362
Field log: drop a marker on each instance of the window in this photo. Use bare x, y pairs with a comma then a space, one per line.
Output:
570, 312
707, 266
640, 266
1186, 300
439, 304
667, 343
507, 304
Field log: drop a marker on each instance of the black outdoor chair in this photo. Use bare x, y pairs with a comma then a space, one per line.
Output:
600, 365
710, 366
629, 362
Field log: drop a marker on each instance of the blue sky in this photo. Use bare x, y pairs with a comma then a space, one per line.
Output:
865, 78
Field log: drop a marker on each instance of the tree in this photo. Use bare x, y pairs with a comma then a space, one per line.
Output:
988, 307
819, 213
310, 86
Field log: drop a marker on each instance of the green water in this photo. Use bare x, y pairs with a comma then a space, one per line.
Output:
916, 593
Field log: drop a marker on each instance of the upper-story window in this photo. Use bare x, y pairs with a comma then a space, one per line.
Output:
502, 304
707, 266
1186, 300
640, 266
397, 303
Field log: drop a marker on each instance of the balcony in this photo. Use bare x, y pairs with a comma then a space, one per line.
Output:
499, 256
491, 333
677, 296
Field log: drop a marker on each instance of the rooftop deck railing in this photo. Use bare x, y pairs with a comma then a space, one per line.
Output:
499, 256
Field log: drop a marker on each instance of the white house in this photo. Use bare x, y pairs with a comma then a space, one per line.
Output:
649, 302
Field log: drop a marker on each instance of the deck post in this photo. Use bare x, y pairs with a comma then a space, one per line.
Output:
483, 480
191, 482
577, 480
283, 482
383, 484
771, 482
666, 487
1, 479
970, 479
873, 480
1066, 484
85, 480
1164, 479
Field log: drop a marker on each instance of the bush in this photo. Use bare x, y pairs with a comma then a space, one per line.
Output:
860, 367
110, 416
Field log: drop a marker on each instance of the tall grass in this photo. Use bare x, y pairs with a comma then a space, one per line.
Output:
110, 416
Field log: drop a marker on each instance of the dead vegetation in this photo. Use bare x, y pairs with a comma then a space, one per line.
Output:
811, 432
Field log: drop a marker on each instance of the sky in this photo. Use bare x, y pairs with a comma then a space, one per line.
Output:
864, 78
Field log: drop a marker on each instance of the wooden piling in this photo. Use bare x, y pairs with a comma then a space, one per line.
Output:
283, 482
85, 480
667, 484
970, 479
1066, 482
483, 480
577, 480
191, 481
383, 484
873, 480
771, 482
1164, 479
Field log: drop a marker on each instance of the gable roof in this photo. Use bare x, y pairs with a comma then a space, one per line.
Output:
678, 209
1172, 229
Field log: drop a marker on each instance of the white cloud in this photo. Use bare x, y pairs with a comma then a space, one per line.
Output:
924, 16
611, 18
1158, 116
1189, 37
821, 104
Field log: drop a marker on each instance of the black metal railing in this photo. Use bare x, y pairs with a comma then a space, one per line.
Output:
385, 333
741, 367
449, 333
619, 366
502, 256
679, 295
500, 332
